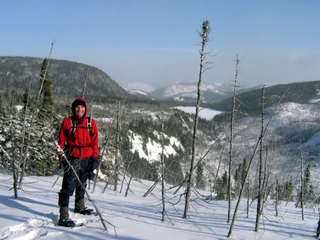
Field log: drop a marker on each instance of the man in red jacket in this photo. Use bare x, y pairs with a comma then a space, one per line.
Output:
78, 138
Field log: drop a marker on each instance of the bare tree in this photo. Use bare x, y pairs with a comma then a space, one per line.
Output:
302, 183
250, 163
117, 161
23, 135
276, 205
260, 166
233, 116
247, 182
205, 38
162, 171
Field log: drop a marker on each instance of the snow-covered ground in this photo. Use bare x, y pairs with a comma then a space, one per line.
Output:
35, 213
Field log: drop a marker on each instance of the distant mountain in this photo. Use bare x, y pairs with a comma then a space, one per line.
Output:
69, 79
187, 92
250, 101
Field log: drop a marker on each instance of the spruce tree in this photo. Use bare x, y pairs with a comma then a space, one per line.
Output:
199, 178
46, 95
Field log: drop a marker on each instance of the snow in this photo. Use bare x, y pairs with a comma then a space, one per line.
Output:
174, 141
18, 107
206, 113
34, 214
153, 148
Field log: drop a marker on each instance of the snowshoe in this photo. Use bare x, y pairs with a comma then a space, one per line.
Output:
66, 222
83, 211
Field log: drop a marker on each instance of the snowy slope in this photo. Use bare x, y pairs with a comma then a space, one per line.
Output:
35, 213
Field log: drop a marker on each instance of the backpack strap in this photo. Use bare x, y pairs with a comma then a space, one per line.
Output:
73, 124
89, 126
73, 129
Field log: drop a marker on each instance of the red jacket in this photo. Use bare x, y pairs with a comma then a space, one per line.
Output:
79, 144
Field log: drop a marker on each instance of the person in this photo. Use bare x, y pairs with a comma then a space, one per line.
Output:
78, 138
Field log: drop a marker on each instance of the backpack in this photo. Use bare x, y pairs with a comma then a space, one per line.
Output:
74, 126
73, 129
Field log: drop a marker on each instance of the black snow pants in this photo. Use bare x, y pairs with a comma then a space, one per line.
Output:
71, 183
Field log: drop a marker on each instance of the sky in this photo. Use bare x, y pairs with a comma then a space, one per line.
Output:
157, 42
34, 215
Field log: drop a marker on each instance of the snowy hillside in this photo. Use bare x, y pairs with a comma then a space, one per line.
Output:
34, 216
293, 130
154, 149
291, 123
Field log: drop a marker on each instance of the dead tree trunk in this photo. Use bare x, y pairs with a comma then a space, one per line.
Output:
249, 166
302, 185
233, 116
260, 174
116, 161
15, 179
248, 195
23, 135
277, 198
128, 186
205, 38
162, 176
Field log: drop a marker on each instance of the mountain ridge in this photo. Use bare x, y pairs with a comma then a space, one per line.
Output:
68, 78
187, 92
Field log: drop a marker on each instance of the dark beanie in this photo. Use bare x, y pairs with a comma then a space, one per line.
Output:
82, 103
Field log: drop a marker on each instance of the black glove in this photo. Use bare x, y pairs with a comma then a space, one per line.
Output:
95, 162
92, 165
91, 175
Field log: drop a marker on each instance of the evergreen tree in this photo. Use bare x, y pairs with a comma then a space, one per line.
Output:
221, 187
288, 194
46, 103
199, 177
309, 192
244, 167
26, 101
2, 106
285, 191
237, 178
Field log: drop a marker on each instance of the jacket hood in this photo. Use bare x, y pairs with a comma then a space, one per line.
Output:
79, 101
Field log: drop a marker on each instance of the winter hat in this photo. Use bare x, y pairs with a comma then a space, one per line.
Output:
81, 103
